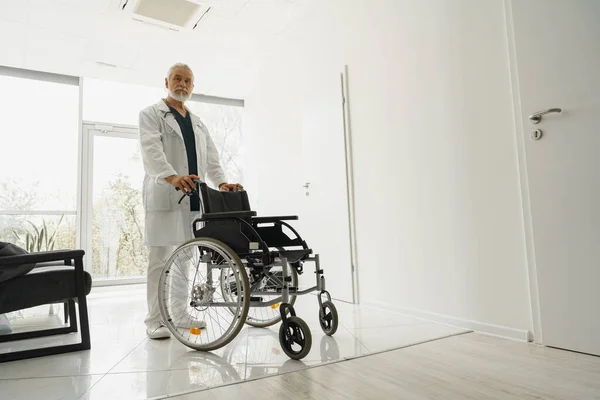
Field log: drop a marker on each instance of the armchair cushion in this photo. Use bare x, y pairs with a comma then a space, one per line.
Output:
41, 286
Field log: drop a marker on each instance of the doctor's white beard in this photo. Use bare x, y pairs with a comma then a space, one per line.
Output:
179, 96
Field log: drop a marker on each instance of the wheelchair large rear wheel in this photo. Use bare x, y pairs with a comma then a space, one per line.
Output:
190, 294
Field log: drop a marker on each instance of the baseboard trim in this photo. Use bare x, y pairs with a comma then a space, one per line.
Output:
495, 330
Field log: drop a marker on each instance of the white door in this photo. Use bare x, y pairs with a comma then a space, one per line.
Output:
558, 61
324, 216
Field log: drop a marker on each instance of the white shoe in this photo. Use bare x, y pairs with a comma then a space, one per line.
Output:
189, 322
157, 330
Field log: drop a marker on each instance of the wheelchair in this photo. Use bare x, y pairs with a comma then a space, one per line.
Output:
240, 269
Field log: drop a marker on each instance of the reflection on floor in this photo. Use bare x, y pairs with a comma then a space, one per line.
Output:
124, 364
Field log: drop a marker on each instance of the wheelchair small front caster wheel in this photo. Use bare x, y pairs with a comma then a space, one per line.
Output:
328, 318
295, 338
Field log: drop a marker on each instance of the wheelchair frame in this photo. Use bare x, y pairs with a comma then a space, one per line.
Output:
239, 232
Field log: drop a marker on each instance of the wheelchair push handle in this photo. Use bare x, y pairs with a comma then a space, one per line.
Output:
196, 181
191, 193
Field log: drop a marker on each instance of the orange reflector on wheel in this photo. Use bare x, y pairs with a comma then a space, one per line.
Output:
275, 306
195, 331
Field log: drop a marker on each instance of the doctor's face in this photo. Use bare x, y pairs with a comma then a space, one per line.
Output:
180, 84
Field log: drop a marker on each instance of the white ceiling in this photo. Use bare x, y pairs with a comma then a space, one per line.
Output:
79, 37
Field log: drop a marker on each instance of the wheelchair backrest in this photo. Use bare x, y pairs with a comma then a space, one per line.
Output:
214, 201
231, 232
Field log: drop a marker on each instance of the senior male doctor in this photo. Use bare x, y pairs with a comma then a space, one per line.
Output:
176, 149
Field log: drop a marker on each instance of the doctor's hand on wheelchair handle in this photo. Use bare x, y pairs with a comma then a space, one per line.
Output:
229, 187
185, 183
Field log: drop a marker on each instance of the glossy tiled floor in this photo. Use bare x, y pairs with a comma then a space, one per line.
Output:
124, 364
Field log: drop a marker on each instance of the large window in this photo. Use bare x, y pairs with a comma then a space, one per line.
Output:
38, 163
40, 200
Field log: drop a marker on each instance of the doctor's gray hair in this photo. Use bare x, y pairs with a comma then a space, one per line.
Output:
180, 65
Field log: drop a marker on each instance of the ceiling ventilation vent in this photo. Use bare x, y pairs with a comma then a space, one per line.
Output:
179, 15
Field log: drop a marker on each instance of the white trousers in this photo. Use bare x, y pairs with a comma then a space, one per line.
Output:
157, 257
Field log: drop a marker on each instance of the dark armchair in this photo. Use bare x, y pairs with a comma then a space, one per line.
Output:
45, 278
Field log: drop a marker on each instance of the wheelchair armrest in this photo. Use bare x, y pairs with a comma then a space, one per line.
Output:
42, 257
227, 215
265, 220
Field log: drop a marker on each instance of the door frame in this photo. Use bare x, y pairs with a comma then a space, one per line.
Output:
88, 129
524, 179
349, 167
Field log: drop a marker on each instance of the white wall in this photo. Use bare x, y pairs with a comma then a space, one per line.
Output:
438, 207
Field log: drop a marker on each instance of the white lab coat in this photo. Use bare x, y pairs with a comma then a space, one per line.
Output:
163, 154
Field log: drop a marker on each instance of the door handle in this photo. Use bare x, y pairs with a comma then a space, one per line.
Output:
306, 186
535, 118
